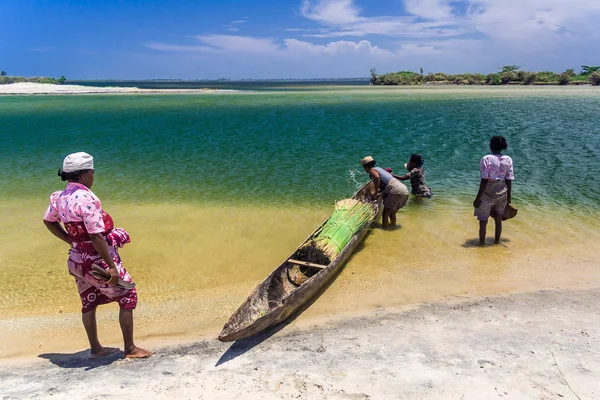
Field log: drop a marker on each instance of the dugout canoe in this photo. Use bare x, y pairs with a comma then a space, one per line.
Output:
281, 294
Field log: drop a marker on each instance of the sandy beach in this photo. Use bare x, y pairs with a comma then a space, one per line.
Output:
22, 88
541, 345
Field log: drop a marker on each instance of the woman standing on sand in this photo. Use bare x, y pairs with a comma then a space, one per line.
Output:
93, 240
495, 187
394, 193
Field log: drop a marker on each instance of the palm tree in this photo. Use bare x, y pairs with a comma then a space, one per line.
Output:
373, 76
587, 69
511, 68
3, 73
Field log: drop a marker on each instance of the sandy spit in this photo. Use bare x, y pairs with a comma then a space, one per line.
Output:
541, 345
48, 88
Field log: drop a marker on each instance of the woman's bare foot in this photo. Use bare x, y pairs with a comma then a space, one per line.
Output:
104, 352
137, 352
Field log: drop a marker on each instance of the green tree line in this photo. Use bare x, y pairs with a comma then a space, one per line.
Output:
5, 78
509, 75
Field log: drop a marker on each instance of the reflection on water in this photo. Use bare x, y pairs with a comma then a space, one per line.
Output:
194, 265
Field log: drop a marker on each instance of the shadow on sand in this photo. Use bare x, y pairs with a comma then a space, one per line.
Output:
488, 242
242, 346
389, 227
81, 359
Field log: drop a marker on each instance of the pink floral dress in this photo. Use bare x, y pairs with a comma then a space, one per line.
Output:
78, 208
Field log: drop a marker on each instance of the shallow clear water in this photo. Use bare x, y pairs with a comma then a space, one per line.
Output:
298, 147
217, 189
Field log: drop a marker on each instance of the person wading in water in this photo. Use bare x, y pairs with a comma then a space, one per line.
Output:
495, 187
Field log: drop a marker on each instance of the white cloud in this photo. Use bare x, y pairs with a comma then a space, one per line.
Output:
222, 44
343, 18
299, 47
228, 44
242, 44
534, 19
450, 47
179, 48
239, 21
527, 20
396, 27
331, 12
440, 35
429, 9
232, 29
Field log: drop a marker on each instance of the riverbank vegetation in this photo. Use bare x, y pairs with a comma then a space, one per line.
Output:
509, 75
5, 79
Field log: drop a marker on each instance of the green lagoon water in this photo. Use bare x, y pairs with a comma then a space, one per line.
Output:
218, 188
302, 147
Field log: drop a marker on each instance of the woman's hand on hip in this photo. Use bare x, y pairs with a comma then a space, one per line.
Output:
114, 276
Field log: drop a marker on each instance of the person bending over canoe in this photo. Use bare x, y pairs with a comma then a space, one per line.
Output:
93, 240
395, 193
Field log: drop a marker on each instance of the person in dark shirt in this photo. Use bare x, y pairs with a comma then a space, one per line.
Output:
414, 166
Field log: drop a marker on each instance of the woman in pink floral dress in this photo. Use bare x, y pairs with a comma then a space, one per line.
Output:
94, 240
495, 187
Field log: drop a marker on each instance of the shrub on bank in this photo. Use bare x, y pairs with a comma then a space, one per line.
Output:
566, 76
529, 78
509, 75
5, 79
493, 79
399, 78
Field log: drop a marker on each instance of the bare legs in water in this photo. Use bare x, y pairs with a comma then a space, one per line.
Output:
498, 231
390, 215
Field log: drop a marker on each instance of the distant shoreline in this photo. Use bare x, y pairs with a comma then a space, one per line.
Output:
28, 88
509, 75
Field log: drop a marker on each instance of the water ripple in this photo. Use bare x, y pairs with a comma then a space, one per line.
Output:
298, 147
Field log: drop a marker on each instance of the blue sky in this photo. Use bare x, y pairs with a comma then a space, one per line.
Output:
128, 39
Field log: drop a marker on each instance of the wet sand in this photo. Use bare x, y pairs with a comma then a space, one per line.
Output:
541, 345
190, 291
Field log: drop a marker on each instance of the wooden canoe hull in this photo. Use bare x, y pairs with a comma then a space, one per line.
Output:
258, 313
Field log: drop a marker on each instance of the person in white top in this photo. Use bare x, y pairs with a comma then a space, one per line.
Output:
495, 187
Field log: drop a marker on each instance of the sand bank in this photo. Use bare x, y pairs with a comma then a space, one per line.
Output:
537, 345
48, 88
193, 288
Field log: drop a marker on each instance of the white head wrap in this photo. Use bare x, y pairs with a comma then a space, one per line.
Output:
78, 162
